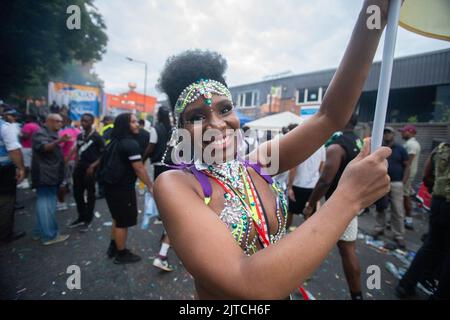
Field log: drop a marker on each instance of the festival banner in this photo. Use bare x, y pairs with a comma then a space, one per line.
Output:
78, 98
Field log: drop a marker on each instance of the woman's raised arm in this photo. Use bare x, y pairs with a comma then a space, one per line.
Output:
210, 253
339, 101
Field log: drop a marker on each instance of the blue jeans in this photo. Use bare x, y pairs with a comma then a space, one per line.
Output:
46, 226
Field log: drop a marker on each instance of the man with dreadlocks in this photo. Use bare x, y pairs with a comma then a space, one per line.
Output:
120, 166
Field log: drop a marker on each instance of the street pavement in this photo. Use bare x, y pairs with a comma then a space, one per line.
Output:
30, 270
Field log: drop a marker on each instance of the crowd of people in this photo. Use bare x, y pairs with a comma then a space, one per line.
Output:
61, 156
229, 220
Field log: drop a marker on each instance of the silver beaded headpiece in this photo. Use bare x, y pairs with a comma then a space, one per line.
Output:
201, 88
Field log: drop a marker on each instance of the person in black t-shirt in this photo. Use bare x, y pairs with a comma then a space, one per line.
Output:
121, 195
89, 148
398, 171
143, 137
342, 149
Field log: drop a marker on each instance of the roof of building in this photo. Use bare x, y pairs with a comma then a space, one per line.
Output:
425, 69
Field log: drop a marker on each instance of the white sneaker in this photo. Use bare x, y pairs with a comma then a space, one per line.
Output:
59, 238
62, 206
162, 264
157, 221
24, 184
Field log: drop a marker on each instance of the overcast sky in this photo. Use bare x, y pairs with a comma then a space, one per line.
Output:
257, 37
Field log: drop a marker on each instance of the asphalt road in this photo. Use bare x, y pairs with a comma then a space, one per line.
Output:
30, 270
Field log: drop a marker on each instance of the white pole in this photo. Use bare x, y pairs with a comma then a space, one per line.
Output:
386, 73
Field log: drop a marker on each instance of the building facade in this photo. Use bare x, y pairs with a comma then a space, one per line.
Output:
420, 91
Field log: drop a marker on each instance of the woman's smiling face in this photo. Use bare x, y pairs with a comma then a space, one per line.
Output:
212, 128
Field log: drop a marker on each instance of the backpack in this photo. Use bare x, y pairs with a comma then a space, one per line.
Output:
112, 167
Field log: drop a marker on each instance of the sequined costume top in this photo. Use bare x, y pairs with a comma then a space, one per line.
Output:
243, 211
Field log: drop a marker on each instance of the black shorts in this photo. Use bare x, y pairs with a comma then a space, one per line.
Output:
301, 197
122, 205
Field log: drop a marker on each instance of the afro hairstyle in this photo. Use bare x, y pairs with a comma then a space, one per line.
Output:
187, 67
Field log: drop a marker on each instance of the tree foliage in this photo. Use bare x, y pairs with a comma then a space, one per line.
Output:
35, 43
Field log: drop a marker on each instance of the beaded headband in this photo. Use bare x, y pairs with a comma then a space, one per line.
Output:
202, 87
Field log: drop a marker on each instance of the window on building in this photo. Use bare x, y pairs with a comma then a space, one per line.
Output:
300, 95
313, 95
247, 99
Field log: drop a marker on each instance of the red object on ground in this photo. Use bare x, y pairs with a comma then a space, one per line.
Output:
424, 196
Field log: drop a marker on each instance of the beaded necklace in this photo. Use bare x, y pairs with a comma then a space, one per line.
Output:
241, 216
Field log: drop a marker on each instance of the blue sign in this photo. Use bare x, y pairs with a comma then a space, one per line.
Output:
309, 111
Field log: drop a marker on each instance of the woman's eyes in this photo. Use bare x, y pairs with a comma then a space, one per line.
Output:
226, 109
196, 118
200, 116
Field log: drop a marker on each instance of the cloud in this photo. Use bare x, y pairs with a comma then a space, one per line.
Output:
258, 38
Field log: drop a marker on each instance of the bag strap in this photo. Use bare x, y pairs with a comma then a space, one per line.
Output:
204, 183
257, 167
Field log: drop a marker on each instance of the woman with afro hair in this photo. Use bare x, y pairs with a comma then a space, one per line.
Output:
227, 219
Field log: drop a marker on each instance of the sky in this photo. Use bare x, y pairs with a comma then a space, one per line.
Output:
258, 38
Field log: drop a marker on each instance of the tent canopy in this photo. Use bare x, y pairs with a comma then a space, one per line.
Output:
243, 119
275, 121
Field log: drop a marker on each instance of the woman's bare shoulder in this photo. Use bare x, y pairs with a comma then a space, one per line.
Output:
178, 178
171, 182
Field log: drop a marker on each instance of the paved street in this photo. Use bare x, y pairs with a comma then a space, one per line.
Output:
32, 271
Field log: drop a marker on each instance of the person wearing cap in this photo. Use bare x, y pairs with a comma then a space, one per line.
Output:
413, 148
11, 116
12, 171
398, 171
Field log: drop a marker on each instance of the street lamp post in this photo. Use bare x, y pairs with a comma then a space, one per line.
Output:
145, 78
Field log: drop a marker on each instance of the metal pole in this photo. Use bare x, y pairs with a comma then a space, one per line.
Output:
386, 73
145, 79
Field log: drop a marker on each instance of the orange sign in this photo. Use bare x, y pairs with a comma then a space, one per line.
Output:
131, 100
